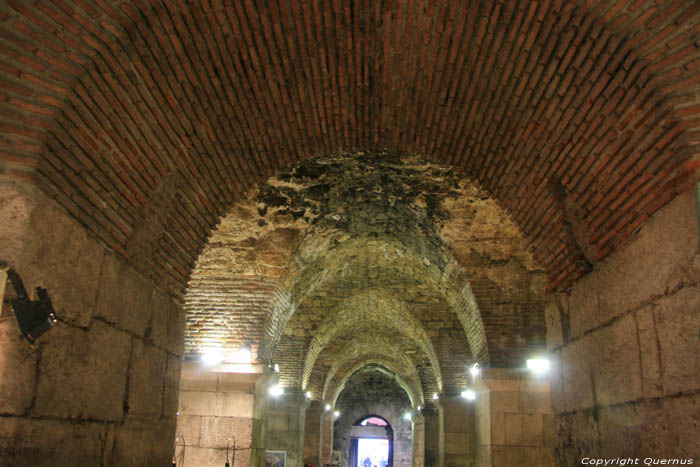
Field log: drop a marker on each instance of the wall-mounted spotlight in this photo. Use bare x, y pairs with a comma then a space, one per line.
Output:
407, 416
538, 366
33, 317
244, 354
475, 370
436, 396
308, 394
276, 390
469, 395
336, 414
212, 357
277, 368
327, 408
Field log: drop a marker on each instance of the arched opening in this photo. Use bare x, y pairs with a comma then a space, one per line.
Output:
371, 443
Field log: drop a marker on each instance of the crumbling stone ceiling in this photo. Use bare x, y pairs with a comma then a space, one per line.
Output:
147, 120
368, 258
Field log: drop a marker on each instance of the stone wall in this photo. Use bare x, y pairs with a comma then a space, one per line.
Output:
626, 339
312, 431
101, 387
216, 411
459, 429
514, 420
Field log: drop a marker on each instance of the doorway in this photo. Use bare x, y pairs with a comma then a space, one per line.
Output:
372, 452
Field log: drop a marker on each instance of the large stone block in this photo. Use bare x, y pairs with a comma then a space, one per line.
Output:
82, 374
216, 432
143, 442
146, 380
552, 319
125, 296
18, 363
60, 257
32, 442
236, 404
507, 456
505, 401
199, 403
677, 322
171, 386
584, 313
576, 363
189, 429
576, 437
616, 362
665, 242
670, 427
167, 322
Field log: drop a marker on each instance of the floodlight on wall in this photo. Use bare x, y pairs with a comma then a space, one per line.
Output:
407, 416
276, 390
436, 396
538, 366
308, 394
469, 395
212, 357
277, 368
336, 414
475, 370
34, 317
244, 354
327, 408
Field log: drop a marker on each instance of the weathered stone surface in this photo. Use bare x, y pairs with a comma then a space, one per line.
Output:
662, 246
236, 404
143, 442
146, 380
171, 386
125, 296
199, 403
189, 429
216, 431
649, 353
677, 319
44, 443
18, 362
576, 437
82, 374
167, 323
61, 257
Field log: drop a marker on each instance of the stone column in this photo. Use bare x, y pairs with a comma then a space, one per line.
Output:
312, 432
285, 425
418, 437
514, 421
326, 444
434, 434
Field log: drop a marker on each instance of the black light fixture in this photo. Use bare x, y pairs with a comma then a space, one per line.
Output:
33, 317
233, 457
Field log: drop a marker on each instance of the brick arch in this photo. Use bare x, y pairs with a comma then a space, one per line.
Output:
363, 351
367, 311
443, 274
108, 101
365, 348
379, 365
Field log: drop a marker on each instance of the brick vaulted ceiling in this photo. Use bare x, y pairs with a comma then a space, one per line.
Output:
147, 120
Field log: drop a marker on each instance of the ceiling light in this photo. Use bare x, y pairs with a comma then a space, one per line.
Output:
539, 366
475, 370
276, 390
469, 395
